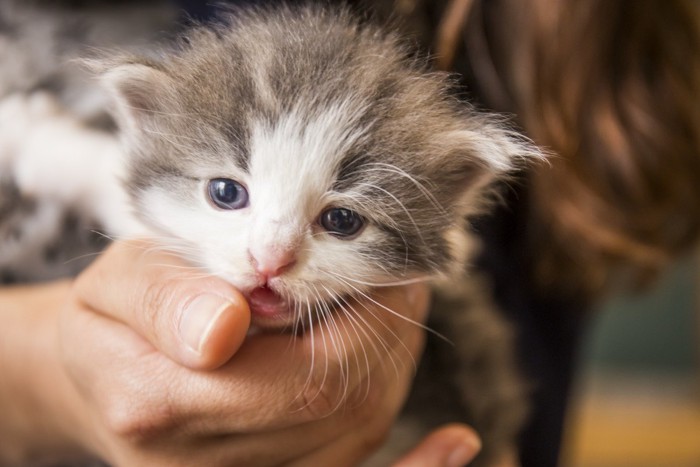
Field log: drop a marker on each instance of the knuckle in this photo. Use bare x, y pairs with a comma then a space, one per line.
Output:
325, 390
319, 400
158, 296
98, 272
80, 287
331, 387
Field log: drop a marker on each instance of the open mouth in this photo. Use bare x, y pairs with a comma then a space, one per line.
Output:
270, 310
266, 305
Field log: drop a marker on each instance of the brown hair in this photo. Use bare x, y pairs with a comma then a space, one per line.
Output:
612, 88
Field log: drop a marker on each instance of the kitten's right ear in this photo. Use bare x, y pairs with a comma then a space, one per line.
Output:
138, 88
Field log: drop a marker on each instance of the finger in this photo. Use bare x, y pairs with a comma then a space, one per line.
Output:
288, 392
138, 392
306, 378
355, 445
144, 397
450, 446
197, 320
340, 432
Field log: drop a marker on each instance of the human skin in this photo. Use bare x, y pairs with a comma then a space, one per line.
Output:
107, 366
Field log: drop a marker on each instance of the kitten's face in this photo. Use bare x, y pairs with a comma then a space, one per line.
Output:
304, 160
296, 218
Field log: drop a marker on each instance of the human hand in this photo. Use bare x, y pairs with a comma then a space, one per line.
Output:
139, 394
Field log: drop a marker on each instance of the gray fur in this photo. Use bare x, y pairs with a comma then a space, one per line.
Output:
191, 106
313, 59
41, 241
471, 379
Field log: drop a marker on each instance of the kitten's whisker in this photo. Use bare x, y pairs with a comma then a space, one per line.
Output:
353, 315
408, 213
367, 325
346, 362
417, 280
354, 328
178, 266
343, 371
177, 115
391, 351
297, 318
325, 313
385, 345
186, 275
167, 137
291, 342
312, 364
319, 388
104, 235
382, 166
372, 205
398, 315
83, 256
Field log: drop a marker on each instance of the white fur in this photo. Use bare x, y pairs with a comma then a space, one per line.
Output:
53, 157
292, 170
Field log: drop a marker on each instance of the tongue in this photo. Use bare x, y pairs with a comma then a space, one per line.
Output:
266, 302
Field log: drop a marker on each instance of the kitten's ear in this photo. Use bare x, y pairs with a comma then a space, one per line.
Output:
138, 88
488, 151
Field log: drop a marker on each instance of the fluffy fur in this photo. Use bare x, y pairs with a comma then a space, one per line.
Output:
309, 109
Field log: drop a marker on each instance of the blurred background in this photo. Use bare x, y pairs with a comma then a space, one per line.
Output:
637, 396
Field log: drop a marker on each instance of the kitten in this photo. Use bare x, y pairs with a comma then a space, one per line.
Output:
307, 158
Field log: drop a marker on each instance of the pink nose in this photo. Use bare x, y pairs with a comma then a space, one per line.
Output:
272, 263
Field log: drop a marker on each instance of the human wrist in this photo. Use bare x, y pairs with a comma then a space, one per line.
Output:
40, 420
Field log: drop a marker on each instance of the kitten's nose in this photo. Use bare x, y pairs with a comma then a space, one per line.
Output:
272, 263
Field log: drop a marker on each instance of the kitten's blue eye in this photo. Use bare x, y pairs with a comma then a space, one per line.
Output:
341, 222
228, 194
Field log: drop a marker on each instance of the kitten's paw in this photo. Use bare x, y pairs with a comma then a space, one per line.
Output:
20, 114
14, 121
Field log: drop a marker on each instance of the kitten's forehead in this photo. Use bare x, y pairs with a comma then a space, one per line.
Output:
311, 102
295, 159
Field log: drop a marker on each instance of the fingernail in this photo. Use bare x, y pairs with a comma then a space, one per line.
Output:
464, 453
199, 319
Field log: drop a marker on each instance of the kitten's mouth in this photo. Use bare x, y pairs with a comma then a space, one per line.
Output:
268, 307
270, 310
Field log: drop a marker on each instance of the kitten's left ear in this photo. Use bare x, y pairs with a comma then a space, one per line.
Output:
488, 151
139, 88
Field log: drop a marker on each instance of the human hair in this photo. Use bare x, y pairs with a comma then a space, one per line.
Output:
611, 89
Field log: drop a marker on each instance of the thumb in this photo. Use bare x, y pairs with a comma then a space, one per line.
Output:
450, 446
197, 321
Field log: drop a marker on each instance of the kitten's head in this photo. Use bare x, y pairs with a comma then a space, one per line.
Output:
304, 157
